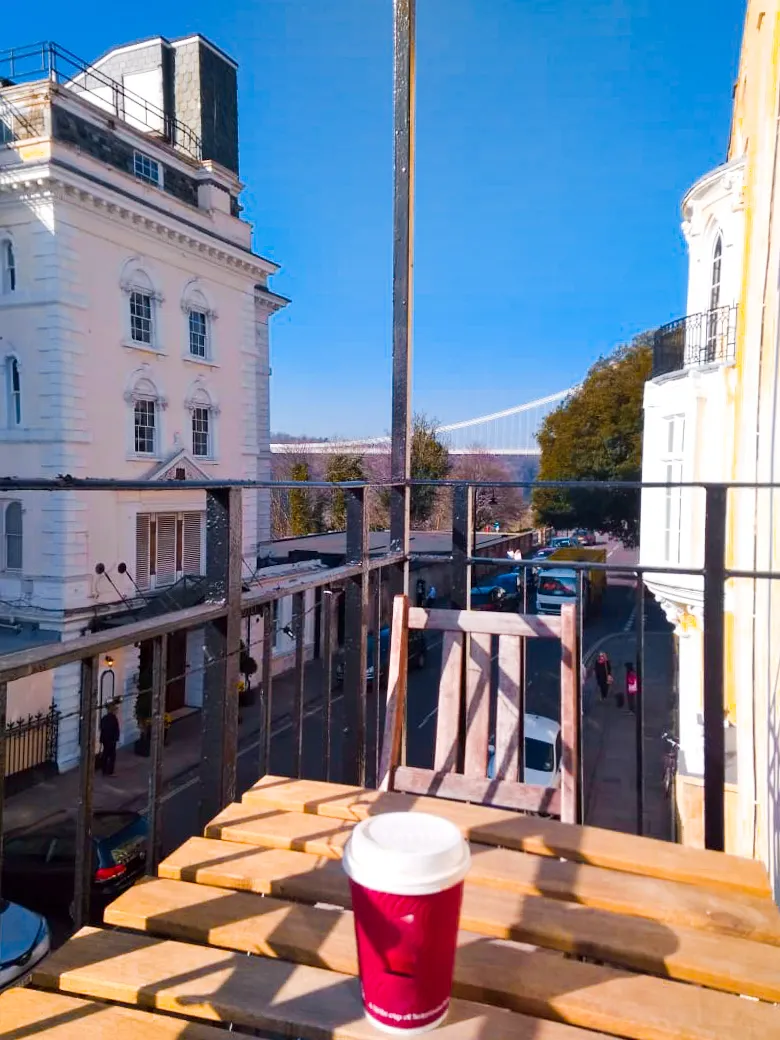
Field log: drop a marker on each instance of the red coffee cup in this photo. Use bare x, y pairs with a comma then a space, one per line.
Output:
406, 874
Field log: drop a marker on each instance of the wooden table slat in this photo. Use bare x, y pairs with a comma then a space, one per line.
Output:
653, 898
222, 986
489, 826
535, 982
721, 962
29, 1013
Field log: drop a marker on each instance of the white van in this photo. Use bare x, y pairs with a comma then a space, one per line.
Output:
556, 586
542, 752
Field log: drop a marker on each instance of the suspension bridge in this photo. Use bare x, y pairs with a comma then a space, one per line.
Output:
509, 432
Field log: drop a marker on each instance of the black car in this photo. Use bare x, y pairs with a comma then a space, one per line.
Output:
416, 652
39, 866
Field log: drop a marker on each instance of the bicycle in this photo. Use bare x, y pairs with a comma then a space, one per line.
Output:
670, 763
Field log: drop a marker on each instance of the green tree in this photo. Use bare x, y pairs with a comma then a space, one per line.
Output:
302, 520
342, 466
596, 434
430, 460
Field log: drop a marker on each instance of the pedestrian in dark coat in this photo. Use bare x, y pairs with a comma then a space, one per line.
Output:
109, 738
602, 670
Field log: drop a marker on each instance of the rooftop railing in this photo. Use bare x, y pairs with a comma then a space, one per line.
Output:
47, 60
327, 733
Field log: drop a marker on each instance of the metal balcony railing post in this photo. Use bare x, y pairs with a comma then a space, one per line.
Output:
716, 500
222, 652
87, 713
355, 640
3, 716
639, 705
266, 689
159, 684
462, 545
328, 614
403, 209
460, 585
299, 629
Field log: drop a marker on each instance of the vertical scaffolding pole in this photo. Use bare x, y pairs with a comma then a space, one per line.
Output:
403, 224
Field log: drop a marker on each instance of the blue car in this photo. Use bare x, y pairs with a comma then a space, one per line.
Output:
24, 942
503, 592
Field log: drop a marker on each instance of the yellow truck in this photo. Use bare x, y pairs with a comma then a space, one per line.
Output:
558, 585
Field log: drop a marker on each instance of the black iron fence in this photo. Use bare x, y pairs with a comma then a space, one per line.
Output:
353, 598
697, 339
30, 746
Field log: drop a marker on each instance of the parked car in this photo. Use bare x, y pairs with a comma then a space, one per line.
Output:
416, 653
24, 941
585, 537
542, 762
503, 592
540, 554
39, 866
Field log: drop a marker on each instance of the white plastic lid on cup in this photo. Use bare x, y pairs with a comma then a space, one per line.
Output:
407, 854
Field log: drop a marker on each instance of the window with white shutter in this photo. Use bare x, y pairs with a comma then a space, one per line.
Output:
142, 550
166, 548
191, 529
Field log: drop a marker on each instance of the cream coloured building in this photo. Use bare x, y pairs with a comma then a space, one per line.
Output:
133, 344
713, 414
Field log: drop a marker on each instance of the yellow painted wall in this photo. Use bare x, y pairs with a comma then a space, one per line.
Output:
753, 635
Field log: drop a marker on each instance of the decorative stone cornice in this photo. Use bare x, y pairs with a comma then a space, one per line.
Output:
268, 302
47, 182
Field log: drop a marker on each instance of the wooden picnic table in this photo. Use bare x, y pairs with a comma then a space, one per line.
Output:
568, 933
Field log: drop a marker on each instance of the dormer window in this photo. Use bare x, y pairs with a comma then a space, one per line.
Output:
147, 169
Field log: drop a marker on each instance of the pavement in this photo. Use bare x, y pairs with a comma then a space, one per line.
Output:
609, 734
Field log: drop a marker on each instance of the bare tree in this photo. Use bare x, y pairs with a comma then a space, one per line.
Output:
491, 503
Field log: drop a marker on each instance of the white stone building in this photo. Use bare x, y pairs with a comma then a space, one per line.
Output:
133, 344
689, 434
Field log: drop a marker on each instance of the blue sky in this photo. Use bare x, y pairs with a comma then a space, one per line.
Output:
555, 140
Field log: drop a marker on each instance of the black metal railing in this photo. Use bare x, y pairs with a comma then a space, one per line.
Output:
344, 743
50, 61
30, 745
697, 339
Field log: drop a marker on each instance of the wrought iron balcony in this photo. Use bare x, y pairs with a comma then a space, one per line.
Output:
695, 340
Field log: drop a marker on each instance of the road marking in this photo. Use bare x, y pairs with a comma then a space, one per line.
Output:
631, 619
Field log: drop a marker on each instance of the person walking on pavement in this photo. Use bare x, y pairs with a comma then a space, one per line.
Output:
430, 599
603, 672
420, 592
632, 686
109, 738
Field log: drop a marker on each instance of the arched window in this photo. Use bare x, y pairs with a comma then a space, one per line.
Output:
147, 404
200, 317
717, 256
13, 392
13, 536
143, 303
7, 266
203, 414
714, 332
